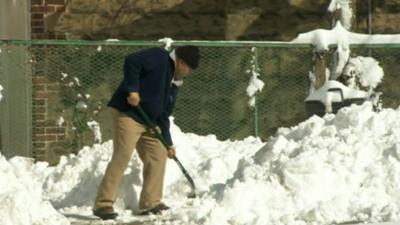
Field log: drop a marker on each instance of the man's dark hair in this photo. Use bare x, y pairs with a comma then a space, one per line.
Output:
189, 54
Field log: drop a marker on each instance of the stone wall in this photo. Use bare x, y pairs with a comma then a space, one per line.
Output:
279, 20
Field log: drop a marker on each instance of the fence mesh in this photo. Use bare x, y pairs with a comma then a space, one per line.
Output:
73, 81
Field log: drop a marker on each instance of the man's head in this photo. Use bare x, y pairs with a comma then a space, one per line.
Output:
187, 59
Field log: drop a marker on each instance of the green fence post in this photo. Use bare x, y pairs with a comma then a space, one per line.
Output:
256, 69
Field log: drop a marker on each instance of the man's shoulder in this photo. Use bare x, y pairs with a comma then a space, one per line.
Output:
148, 53
153, 51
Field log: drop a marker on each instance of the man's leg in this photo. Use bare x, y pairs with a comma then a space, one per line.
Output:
126, 133
154, 157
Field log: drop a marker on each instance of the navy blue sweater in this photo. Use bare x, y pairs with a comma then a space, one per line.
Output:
150, 73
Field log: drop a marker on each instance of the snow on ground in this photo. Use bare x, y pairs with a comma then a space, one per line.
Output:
322, 171
22, 196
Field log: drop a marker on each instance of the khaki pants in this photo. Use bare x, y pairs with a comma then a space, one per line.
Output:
128, 134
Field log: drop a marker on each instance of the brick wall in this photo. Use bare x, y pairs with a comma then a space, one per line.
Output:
45, 131
40, 9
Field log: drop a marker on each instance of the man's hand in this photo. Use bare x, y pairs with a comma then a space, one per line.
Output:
133, 98
171, 152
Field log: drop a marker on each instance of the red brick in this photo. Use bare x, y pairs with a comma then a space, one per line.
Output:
38, 36
39, 155
41, 94
39, 144
40, 110
38, 130
38, 30
39, 80
45, 137
37, 16
60, 2
53, 87
37, 23
61, 137
39, 99
39, 124
61, 37
39, 117
50, 8
39, 102
35, 106
37, 9
39, 2
39, 87
37, 70
55, 130
60, 8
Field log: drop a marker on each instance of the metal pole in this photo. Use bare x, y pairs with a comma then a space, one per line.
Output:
257, 69
369, 22
369, 17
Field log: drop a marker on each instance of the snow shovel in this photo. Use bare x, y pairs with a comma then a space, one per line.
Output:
153, 128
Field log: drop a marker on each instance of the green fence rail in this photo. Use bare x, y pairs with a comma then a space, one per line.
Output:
49, 80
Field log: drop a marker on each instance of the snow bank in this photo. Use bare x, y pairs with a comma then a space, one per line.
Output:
74, 181
21, 194
367, 69
323, 171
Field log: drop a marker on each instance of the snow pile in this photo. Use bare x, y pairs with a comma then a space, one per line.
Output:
322, 171
21, 194
74, 181
365, 70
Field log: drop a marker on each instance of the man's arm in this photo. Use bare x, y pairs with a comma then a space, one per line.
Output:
132, 69
163, 121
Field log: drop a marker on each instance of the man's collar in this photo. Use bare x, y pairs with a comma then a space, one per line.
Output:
172, 55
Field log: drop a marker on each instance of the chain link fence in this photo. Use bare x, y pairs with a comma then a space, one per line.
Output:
62, 85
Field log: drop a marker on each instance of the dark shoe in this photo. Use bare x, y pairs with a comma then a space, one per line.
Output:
156, 210
106, 213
